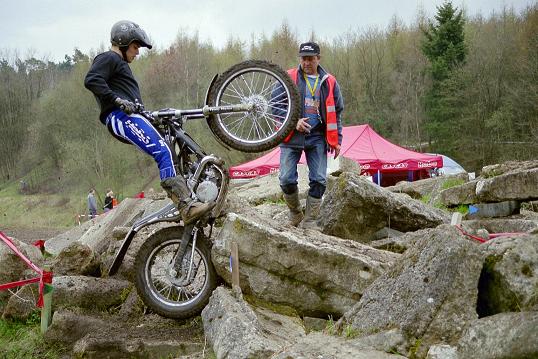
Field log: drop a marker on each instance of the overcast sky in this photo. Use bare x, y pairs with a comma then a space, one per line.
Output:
50, 29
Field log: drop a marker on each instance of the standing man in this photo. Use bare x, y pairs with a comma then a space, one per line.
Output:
92, 204
111, 81
318, 131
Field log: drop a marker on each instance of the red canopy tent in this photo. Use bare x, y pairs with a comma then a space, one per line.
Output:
386, 162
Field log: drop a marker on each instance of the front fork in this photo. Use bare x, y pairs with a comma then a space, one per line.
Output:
182, 275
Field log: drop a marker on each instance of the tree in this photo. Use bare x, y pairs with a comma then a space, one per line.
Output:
444, 46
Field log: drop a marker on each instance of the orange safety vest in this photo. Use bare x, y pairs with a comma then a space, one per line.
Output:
330, 110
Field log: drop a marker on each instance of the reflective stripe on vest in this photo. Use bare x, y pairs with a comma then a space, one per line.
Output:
330, 109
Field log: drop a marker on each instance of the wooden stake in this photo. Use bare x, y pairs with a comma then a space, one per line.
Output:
235, 268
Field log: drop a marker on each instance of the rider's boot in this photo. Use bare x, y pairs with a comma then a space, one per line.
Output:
296, 213
311, 219
189, 209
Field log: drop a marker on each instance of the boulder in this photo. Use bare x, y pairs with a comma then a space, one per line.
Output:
505, 335
442, 351
236, 330
509, 279
76, 259
22, 303
500, 225
99, 236
56, 244
12, 267
343, 164
429, 187
491, 210
89, 292
267, 188
509, 166
99, 336
320, 345
356, 209
314, 273
401, 243
520, 185
430, 293
462, 194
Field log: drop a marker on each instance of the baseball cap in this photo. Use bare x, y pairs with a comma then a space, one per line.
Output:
309, 49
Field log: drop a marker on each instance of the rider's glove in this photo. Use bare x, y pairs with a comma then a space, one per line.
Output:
125, 105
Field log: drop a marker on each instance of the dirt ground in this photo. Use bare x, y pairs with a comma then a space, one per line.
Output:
30, 235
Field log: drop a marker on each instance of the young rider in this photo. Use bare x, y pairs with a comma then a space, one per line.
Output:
111, 81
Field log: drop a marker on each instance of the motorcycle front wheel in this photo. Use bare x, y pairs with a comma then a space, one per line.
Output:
275, 106
157, 280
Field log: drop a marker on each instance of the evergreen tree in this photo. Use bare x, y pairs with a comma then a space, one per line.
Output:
444, 47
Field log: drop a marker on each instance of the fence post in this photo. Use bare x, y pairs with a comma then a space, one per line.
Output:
46, 310
236, 288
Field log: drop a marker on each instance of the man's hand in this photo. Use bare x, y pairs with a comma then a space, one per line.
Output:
303, 126
336, 150
125, 105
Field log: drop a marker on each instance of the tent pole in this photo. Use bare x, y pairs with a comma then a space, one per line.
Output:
378, 177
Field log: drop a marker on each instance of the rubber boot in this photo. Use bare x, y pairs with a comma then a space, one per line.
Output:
311, 218
189, 209
296, 213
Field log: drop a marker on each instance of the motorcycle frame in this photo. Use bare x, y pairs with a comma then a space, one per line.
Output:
173, 122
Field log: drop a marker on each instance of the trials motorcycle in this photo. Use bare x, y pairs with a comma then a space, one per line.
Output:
251, 107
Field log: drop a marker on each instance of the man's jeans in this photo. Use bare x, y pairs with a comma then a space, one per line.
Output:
316, 158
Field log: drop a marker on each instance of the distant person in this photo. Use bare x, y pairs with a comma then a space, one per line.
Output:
92, 204
109, 201
111, 81
318, 131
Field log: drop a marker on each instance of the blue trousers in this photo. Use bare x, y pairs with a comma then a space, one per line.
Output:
138, 131
315, 150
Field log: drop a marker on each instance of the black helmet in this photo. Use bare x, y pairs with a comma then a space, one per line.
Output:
124, 32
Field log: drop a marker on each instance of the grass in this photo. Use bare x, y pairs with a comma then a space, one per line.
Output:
452, 182
52, 210
24, 340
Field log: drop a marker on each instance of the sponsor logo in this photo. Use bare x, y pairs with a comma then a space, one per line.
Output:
428, 164
307, 47
389, 166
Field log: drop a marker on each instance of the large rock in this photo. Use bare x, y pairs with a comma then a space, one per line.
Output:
267, 188
509, 279
236, 330
12, 267
76, 259
55, 245
89, 292
314, 273
500, 225
509, 166
319, 345
506, 335
429, 187
356, 209
462, 194
429, 294
99, 235
521, 185
102, 336
22, 303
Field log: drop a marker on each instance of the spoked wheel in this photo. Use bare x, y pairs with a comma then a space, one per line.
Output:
162, 285
275, 106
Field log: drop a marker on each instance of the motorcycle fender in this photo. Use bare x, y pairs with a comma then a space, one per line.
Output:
209, 89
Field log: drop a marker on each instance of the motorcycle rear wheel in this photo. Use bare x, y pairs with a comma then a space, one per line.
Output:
275, 103
154, 275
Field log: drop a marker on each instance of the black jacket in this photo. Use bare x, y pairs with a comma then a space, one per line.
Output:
110, 77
